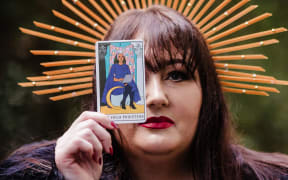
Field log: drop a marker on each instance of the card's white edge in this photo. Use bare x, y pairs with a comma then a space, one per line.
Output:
144, 81
97, 80
128, 122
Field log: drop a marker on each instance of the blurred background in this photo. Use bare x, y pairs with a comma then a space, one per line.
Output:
261, 122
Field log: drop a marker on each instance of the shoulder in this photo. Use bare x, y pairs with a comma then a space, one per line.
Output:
126, 67
261, 165
32, 161
114, 67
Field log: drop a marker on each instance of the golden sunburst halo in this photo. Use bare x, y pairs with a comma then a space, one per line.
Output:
76, 76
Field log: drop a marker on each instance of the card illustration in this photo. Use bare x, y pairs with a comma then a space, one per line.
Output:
121, 80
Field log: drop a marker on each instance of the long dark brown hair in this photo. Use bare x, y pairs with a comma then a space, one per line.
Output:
213, 153
116, 61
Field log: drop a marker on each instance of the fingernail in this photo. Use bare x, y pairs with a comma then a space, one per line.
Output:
114, 125
100, 161
111, 151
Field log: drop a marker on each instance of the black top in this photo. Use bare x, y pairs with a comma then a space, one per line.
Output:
30, 162
36, 161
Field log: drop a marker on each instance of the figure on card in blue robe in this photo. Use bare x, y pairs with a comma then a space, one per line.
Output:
120, 75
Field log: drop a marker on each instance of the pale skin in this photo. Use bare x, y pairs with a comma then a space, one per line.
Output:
151, 153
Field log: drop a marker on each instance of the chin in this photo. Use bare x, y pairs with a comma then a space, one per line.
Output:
157, 144
156, 150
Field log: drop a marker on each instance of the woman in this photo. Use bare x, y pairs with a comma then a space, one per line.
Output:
187, 134
116, 76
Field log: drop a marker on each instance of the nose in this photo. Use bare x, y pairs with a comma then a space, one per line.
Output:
156, 97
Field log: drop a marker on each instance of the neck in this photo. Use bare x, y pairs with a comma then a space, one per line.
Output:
149, 167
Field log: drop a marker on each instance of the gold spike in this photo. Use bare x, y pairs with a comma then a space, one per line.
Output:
253, 80
169, 3
188, 7
244, 91
224, 15
181, 7
245, 46
247, 37
92, 14
68, 62
231, 20
203, 11
162, 2
62, 76
241, 74
64, 31
143, 4
69, 70
195, 9
213, 13
77, 24
131, 6
110, 9
237, 66
156, 1
100, 10
123, 5
150, 3
63, 53
137, 4
175, 4
239, 57
249, 86
71, 95
63, 89
239, 27
84, 17
117, 7
57, 39
58, 82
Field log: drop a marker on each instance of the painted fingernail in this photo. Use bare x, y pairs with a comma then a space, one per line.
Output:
111, 151
114, 125
100, 161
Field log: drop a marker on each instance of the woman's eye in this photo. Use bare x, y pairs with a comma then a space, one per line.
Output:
177, 76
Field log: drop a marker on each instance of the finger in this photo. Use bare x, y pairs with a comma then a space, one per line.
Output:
101, 133
89, 136
75, 146
102, 119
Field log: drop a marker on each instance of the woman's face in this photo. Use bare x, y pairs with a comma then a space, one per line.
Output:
120, 58
171, 94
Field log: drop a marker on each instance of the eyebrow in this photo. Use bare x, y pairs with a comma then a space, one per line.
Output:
174, 61
163, 63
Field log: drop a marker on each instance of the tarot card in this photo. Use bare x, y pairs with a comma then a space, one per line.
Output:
120, 80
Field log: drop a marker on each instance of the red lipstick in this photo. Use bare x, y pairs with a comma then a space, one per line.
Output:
161, 122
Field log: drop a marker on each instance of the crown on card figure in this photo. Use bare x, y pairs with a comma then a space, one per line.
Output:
75, 79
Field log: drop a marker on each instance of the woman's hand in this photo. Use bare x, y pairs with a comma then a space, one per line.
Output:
118, 80
78, 153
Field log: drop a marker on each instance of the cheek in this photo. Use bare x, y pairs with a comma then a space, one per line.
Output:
187, 101
126, 132
186, 105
